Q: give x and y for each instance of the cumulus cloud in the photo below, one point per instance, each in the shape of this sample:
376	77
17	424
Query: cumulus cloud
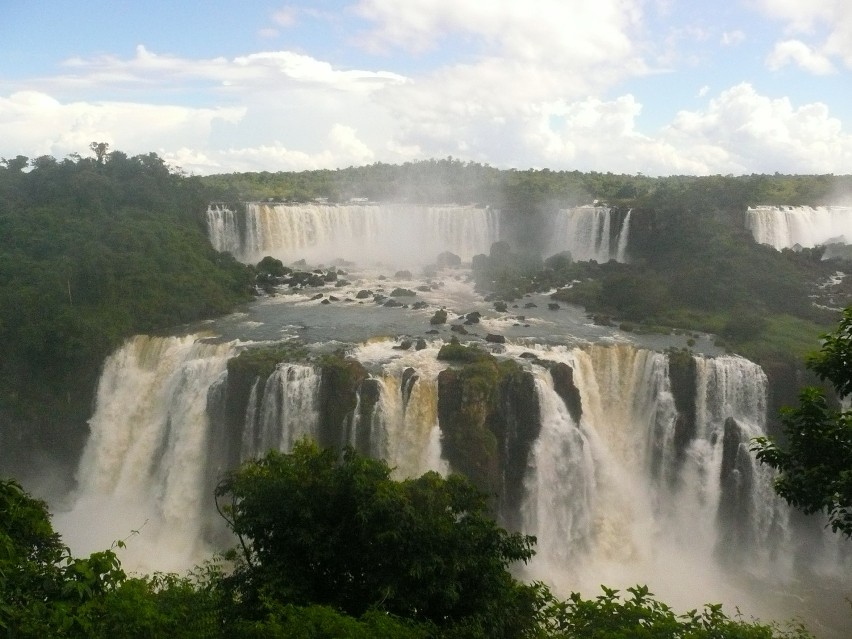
341	147
515	57
742	131
800	54
35	122
825	25
538	48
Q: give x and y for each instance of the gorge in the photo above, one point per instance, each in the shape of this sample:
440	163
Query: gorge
625	454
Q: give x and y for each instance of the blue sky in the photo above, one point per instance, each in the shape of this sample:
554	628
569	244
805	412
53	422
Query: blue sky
659	87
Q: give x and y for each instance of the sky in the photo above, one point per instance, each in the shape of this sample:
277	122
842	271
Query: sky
659	87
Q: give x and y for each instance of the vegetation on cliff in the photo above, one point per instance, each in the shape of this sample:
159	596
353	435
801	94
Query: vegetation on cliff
90	253
814	458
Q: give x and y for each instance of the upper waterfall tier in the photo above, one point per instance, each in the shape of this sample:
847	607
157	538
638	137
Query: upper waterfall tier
391	233
597	233
787	226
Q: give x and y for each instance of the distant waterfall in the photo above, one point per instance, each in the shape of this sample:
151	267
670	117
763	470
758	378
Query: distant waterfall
788	226
591	233
595	494
399	234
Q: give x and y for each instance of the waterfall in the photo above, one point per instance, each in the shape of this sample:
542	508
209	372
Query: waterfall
623	237
404	425
144	466
596	497
789	226
591	233
286	411
399	234
223	229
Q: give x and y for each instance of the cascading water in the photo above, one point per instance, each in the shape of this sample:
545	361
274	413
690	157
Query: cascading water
285	412
392	233
787	226
598	494
403	426
591	233
144	466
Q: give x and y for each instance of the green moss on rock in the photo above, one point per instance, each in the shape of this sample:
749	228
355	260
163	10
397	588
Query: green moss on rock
488	414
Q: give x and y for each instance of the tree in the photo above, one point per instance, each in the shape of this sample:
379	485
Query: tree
100	149
318	527
614	616
44	592
815	462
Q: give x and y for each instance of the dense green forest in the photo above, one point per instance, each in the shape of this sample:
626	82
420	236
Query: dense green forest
92	251
450	180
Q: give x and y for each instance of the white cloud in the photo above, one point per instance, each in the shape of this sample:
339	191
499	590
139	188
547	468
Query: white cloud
561	33
36	124
342	147
825	24
268	70
518	57
742	131
800	54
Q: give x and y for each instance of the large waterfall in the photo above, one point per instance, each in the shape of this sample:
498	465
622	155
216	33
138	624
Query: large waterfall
805	226
144	467
597	233
619	497
610	495
390	233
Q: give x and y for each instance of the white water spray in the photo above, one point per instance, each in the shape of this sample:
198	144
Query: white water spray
587	233
805	226
397	234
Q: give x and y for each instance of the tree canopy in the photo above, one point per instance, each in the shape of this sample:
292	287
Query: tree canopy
91	252
318	527
815	459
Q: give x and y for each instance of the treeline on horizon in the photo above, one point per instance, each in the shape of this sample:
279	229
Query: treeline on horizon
93	250
454	181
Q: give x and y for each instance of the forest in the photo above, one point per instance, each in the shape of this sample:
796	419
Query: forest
96	249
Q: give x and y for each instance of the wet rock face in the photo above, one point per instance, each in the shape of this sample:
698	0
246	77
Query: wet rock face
736	478
489	417
683	377
341	379
563	384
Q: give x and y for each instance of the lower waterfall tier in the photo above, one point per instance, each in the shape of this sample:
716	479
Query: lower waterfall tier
597	465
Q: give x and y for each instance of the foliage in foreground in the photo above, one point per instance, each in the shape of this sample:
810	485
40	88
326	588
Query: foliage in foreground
318	528
815	461
348	553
